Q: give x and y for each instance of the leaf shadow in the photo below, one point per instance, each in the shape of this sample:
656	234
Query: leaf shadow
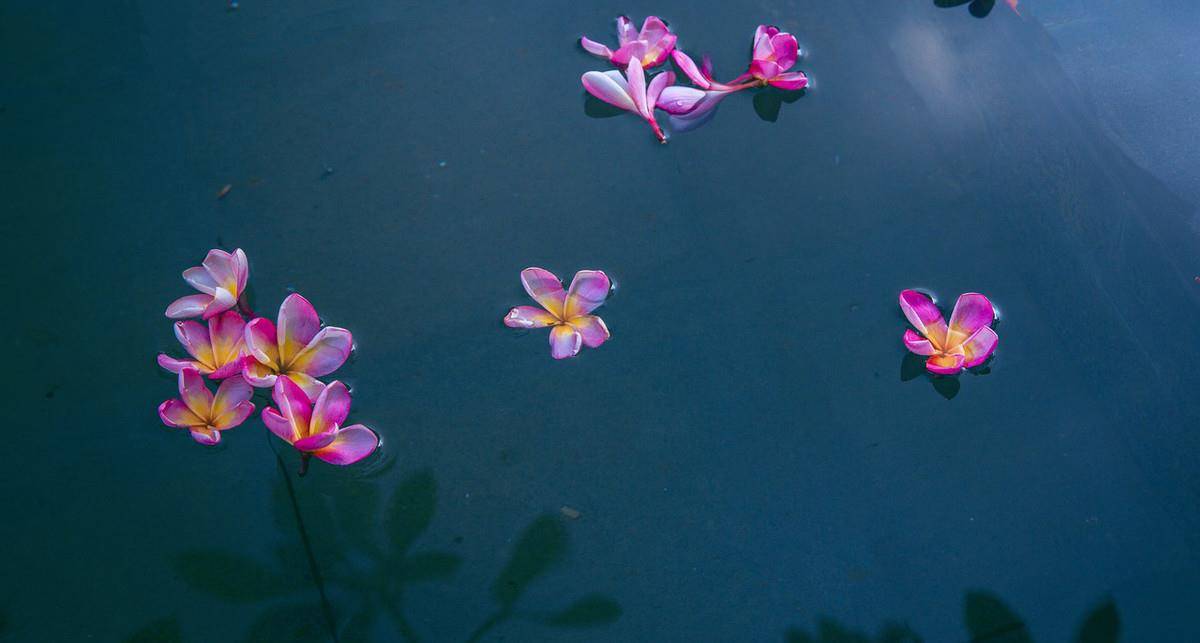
770	100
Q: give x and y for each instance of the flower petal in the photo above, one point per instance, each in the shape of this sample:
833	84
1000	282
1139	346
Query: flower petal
592	329
917	344
764	69
189	306
972	311
259	375
230	394
352	444
325	353
261	342
206	436
545	288
234	417
786	50
331	408
529	317
316	440
700	114
944	364
634	50
657	85
241	268
924	315
175	413
194	393
198	278
762	41
602	86
222	301
636	77
298	325
689	68
195	340
232	368
588	290
679	100
625	30
279	425
311	386
595	48
293	405
791	81
223	269
564	342
227	334
175	365
979	347
653	29
658	53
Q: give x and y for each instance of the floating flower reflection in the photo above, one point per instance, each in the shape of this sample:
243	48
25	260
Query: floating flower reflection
650	46
221	279
297	348
203	414
630	92
567	312
217	350
316	428
966	342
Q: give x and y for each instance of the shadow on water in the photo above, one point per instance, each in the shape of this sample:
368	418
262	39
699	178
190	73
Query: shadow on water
986	618
913	366
595	108
769	100
977	8
368	570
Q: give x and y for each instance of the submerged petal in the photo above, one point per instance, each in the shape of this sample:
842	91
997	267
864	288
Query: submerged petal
175	413
591	329
298	325
917	344
352	444
564	342
944	364
588	290
331	408
924	315
325	353
979	347
595	48
529	317
972	311
545	288
189	306
194	393
677	100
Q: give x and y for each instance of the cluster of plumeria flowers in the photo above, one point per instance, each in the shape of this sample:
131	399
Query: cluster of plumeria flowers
773	55
286	356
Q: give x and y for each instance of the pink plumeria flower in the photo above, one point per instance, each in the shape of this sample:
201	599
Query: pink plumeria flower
221	279
650	47
316	428
566	311
203	414
297	348
630	92
966	342
217	350
774	54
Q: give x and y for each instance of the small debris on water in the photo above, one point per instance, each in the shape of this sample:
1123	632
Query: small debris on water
441	164
224	191
570	512
327	171
233	5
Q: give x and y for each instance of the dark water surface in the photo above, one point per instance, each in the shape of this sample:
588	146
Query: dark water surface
749	455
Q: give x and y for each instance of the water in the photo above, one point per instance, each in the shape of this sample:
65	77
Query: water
750	456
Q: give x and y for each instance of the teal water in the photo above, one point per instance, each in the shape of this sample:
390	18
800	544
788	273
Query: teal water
750	456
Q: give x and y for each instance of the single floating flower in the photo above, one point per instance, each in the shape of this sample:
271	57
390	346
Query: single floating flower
630	92
650	47
567	311
966	342
298	348
221	279
217	351
316	428
774	54
203	414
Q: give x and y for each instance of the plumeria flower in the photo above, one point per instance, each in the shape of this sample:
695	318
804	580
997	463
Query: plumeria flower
221	279
217	351
967	342
630	92
298	348
774	54
203	414
650	47
316	428
567	311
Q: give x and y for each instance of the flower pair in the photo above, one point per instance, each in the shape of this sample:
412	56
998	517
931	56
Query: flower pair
774	54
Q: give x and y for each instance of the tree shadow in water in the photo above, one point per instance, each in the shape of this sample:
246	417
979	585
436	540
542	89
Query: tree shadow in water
986	618
368	570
